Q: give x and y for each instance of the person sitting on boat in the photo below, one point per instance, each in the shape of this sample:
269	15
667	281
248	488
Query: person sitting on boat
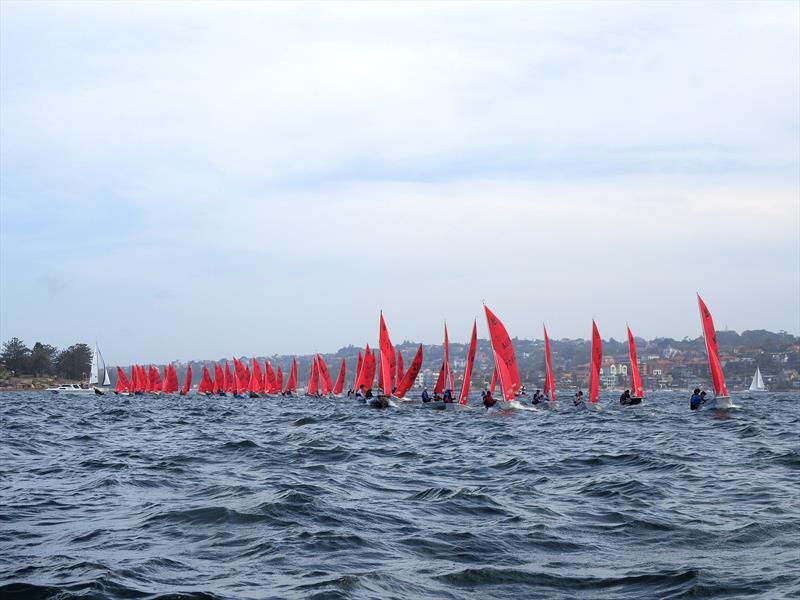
522	391
360	392
578	401
695	401
437	397
537	397
426	397
488	401
448	396
368	395
703	397
350	393
625	398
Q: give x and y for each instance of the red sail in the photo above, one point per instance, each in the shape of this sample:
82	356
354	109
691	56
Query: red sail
270	383
291	384
399	375
256	383
155	380
411	375
473	346
388	358
597	360
636	380
187	383
367	373
219	379
229	383
325	380
549	382
206	385
241	371
448	370
504	357
359	364
239	385
279	380
170	380
439	387
313	379
712	349
122	382
339	385
494	382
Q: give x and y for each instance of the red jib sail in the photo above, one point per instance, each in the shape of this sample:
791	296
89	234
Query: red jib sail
359	364
187	383
439	387
549	382
712	349
410	376
463	398
155	380
636	380
448	371
325	380
504	356
367	375
256	383
400	372
387	358
597	360
206	385
123	385
339	385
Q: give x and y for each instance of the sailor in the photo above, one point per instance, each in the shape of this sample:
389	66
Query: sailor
703	397
537	397
360	392
426	397
488	401
368	395
696	400
578	401
350	393
625	398
448	396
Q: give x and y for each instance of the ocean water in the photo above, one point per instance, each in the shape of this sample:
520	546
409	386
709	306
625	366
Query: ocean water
108	497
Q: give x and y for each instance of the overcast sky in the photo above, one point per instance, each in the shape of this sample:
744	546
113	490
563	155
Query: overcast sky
195	180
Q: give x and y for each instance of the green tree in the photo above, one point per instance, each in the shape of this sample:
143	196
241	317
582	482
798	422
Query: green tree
43	358
16	355
74	362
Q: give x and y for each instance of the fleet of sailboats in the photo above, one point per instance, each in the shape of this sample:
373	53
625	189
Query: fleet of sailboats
248	378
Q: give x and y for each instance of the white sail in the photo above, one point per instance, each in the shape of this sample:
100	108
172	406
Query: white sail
93	372
758	383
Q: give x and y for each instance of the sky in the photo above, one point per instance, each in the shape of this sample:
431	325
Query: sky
197	180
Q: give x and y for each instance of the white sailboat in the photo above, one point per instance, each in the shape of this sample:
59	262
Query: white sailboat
757	384
97	374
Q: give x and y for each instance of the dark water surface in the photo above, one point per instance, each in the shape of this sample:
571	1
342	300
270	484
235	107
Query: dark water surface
112	497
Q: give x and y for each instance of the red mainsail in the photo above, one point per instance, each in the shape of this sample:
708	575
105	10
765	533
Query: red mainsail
313	379
187	383
206	385
170	380
473	346
339	385
439	387
387	358
411	375
279	380
229	383
636	380
123	385
597	360
256	379
712	349
448	371
325	380
270	384
549	382
219	379
504	357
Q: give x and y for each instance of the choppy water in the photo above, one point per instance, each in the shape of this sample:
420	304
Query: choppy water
112	497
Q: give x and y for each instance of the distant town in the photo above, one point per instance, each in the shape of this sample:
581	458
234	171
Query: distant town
665	363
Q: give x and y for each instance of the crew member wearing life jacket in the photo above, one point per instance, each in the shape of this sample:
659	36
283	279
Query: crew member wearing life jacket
426	397
625	398
448	396
695	401
488	401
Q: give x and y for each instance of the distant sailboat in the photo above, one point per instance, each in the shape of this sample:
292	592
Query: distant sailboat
757	384
98	372
712	349
636	380
505	362
597	359
463	397
410	375
549	380
339	385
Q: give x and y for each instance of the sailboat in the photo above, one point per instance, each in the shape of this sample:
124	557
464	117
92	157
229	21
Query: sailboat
757	384
722	400
549	380
637	389
388	366
597	360
339	385
410	376
505	362
463	397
